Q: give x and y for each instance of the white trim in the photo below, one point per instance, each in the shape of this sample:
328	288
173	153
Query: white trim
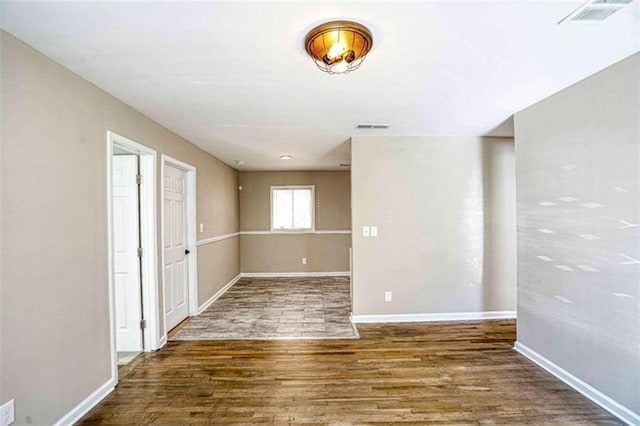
148	229
190	172
450	316
149	241
216	239
313	208
177	163
219	293
191	240
293	232
294	274
163	341
110	263
235	234
332	232
87	404
606	402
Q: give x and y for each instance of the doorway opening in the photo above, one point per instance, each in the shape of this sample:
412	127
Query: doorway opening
132	212
179	255
127	260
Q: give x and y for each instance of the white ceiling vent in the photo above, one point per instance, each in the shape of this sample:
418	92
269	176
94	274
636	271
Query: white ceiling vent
373	126
596	10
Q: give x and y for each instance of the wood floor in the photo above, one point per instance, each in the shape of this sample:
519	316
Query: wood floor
430	373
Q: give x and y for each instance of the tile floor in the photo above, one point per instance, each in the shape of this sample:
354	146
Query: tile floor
277	308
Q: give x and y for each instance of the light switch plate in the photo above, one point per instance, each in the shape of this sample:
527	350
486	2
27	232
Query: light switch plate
202	227
374	231
304	260
387	296
365	231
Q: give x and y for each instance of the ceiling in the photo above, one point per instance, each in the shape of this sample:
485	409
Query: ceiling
233	77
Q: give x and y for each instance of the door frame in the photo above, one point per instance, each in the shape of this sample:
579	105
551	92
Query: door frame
192	265
148	232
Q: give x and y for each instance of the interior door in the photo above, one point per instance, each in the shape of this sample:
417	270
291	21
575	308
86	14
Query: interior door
125	254
175	246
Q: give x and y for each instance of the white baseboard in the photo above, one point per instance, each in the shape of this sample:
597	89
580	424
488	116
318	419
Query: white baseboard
89	402
615	408
219	293
294	274
162	341
454	316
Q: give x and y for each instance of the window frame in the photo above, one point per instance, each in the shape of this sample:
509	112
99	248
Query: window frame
313	209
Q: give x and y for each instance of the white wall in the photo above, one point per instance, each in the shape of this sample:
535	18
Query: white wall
445	212
579	285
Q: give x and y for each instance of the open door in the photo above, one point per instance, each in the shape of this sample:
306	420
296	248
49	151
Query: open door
126	241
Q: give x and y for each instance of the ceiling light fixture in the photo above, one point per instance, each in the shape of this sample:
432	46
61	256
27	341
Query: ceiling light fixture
338	47
372	126
286	157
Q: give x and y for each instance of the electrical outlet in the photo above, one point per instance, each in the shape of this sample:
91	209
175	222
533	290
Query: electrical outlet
7	414
387	296
366	231
304	260
374	231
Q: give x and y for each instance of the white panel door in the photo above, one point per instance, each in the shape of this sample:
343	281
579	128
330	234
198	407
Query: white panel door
175	245
125	254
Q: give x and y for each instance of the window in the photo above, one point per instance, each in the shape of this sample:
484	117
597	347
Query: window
292	208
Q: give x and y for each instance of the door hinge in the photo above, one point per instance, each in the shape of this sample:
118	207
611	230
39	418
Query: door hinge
143	323
140	251
139	179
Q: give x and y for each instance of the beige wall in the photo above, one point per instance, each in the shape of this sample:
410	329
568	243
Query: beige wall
55	327
579	305
218	211
218	263
284	253
333	198
445	212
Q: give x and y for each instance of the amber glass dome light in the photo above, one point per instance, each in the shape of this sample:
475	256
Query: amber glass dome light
338	47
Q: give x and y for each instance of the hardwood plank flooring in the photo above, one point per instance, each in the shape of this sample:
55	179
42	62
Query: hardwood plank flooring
429	373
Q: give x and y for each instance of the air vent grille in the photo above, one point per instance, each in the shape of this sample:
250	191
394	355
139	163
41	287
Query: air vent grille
373	126
596	10
612	2
594	14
